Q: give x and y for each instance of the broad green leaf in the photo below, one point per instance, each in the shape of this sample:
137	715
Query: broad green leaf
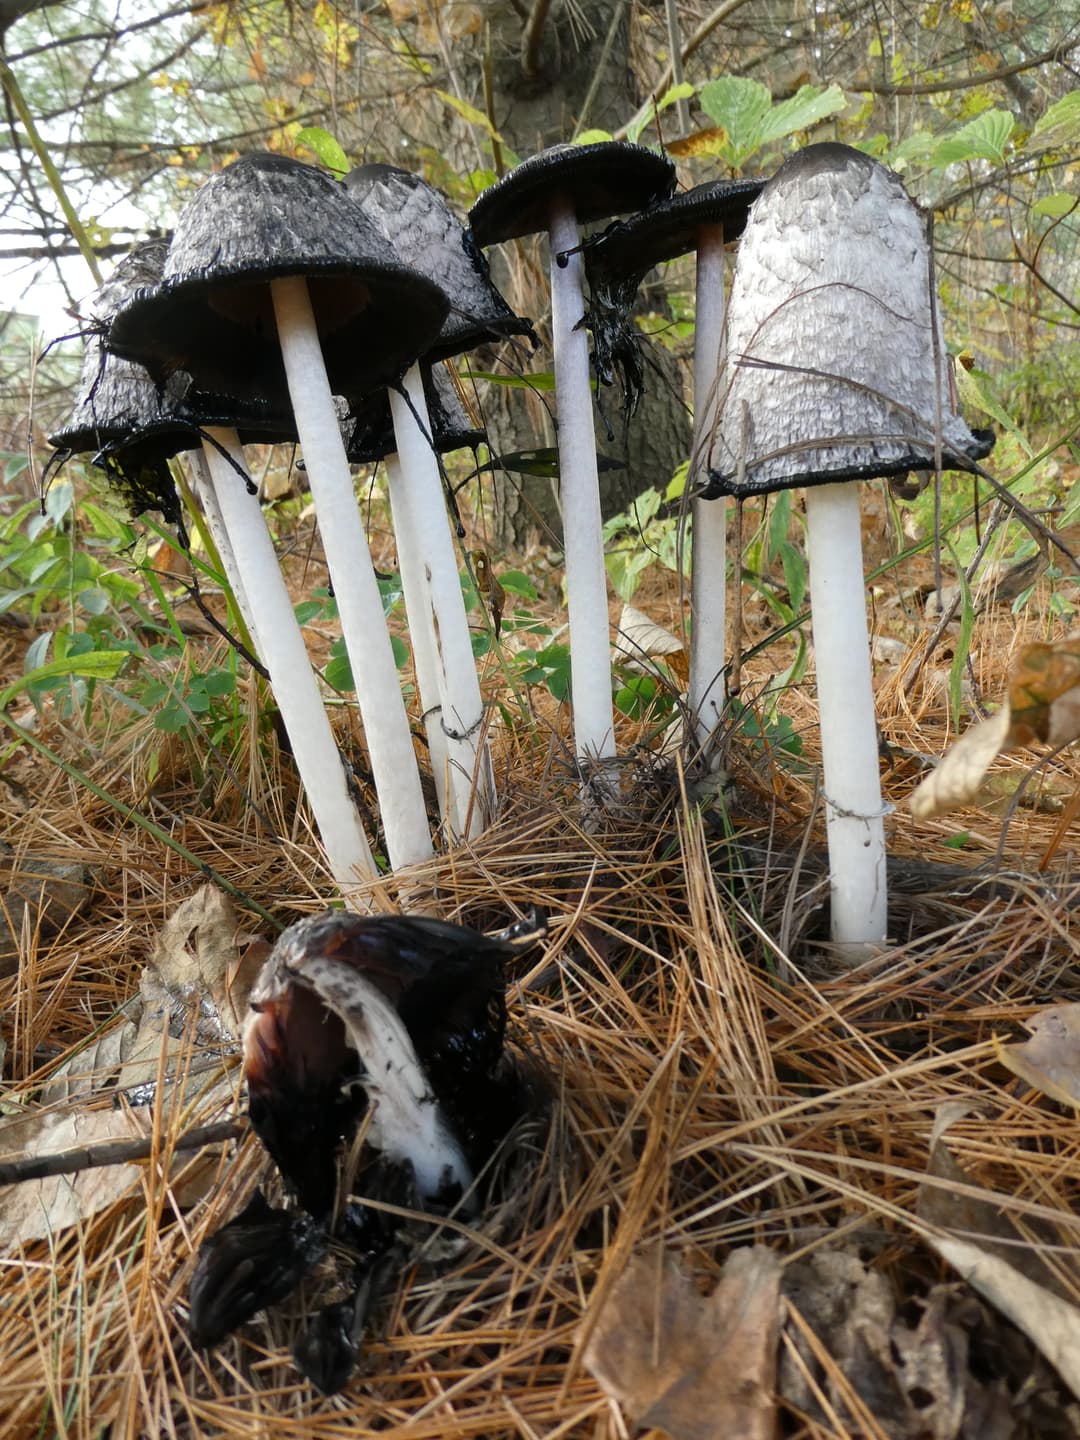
323	145
470	113
1060	125
983	138
805	108
515	582
99	665
919	145
739	106
1056	206
592	137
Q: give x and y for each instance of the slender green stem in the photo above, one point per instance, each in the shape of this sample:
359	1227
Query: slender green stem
75	225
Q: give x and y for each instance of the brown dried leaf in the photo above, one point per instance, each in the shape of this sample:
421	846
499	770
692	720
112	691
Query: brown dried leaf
697	1367
34	1209
1044	693
1050	1323
1050	1060
702	142
958	778
42	894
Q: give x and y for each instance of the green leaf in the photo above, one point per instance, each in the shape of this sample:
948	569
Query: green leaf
307	610
327	150
516	582
739	106
809	105
592	137
400	649
470	113
677	484
539	380
99	665
983	138
1060	125
1056	206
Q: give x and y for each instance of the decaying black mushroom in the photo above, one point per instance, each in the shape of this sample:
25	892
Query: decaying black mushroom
402	1014
256	1260
556	191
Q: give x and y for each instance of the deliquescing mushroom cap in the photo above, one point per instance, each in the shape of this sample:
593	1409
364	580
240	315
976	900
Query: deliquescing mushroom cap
133	426
425	233
630	248
608	178
834	365
369	429
263	218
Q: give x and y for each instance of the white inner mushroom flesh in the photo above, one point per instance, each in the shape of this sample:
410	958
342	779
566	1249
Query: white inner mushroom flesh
363	624
586	579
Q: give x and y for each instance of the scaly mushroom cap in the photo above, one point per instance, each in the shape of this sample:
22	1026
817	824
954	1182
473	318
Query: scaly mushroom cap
263	218
409	1010
425	233
835	362
369	430
601	180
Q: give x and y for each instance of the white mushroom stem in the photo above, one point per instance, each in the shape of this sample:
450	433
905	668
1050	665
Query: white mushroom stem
206	494
579	490
282	650
708	584
850	776
421	637
437	604
363	625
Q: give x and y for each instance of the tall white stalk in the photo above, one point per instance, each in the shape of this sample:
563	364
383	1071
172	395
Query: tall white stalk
431	573
586	580
850	774
206	493
282	650
708	584
363	625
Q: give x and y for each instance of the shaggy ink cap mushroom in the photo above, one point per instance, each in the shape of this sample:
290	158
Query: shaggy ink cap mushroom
265	218
609	178
369	427
703	219
835	369
409	1009
834	342
556	191
425	233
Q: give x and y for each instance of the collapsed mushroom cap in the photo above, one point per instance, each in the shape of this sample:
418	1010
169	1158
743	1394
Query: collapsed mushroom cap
630	248
425	233
369	430
601	180
263	218
132	425
835	361
255	1260
406	1011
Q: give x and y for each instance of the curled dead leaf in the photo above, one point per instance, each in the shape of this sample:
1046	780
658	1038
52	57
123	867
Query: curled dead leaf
1050	1060
957	780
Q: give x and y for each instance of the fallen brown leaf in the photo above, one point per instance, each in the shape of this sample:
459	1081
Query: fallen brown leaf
697	1367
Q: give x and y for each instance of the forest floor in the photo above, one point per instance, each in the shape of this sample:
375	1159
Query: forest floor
769	1193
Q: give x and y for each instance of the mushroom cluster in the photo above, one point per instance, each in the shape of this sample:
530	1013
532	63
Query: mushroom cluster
390	1028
